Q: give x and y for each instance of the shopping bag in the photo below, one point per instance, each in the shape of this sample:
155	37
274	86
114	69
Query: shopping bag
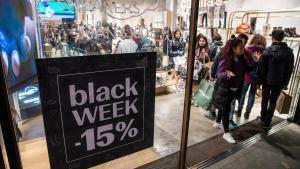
180	63
203	95
179	60
197	69
283	103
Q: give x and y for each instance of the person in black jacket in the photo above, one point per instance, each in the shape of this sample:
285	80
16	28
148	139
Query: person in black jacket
230	75
215	47
214	69
275	70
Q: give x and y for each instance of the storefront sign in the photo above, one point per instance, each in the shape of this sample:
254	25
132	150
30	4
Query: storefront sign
125	9
28	97
97	108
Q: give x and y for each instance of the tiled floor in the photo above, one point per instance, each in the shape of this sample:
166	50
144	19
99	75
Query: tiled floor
278	151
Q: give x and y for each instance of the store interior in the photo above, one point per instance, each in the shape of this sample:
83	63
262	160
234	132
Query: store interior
97	27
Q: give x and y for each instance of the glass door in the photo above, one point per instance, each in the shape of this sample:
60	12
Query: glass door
96	28
3	154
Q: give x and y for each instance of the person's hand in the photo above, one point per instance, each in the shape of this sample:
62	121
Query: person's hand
229	74
256	56
206	55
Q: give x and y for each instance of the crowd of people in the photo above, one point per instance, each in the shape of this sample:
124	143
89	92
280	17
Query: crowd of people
239	67
104	39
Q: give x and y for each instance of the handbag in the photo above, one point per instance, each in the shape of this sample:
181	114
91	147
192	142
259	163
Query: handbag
197	69
203	95
165	61
180	63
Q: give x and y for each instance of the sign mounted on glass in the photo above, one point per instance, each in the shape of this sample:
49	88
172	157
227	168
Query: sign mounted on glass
126	9
97	108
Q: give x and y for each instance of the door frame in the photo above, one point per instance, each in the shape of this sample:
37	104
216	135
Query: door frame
6	118
7	125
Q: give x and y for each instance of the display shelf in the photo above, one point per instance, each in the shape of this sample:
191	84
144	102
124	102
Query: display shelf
214	28
287	38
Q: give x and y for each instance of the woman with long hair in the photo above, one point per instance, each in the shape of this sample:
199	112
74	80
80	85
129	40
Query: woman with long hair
202	49
176	49
256	46
230	76
201	57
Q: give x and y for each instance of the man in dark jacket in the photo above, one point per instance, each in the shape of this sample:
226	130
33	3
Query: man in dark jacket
215	47
275	70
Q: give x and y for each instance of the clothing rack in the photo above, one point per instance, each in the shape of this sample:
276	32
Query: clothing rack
244	16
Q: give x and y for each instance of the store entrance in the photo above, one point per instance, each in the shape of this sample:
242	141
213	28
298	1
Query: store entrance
105	28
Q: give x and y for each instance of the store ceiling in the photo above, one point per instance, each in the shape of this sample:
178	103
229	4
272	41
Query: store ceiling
88	5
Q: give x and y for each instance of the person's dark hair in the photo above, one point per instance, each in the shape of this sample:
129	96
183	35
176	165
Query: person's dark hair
258	40
176	32
127	30
278	35
228	50
217	37
201	36
244	37
170	34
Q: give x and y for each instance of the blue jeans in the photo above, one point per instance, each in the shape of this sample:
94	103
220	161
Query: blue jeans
251	97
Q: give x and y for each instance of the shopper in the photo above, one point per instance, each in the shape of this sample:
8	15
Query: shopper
202	49
214	69
201	58
215	47
127	45
216	50
83	39
202	55
167	37
275	70
232	124
256	46
51	37
177	51
230	75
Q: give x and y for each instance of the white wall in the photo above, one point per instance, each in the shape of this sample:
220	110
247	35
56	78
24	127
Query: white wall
234	5
270	4
292	19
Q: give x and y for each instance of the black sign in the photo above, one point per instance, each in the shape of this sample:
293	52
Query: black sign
97	108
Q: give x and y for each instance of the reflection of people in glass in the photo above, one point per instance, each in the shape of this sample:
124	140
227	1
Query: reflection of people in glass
16	118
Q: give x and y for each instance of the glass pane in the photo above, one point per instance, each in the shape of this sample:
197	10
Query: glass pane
98	27
19	49
3	152
217	22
